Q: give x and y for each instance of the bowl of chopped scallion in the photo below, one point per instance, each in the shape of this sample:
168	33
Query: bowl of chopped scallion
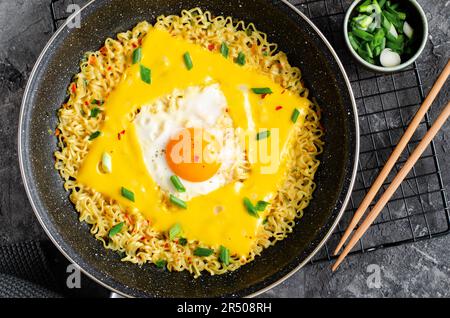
385	35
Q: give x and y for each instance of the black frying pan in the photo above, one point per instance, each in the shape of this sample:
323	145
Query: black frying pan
45	92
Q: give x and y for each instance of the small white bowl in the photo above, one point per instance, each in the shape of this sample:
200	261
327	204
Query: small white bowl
413	5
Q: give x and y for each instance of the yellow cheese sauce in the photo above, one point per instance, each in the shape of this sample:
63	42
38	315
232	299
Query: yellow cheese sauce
232	227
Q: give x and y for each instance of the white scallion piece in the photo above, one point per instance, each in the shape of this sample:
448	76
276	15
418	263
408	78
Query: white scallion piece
106	162
393	31
408	30
388	58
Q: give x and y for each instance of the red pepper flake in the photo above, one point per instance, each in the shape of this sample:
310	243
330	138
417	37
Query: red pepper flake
211	47
92	60
120	134
57	132
140	41
263	96
109	68
278	107
73	87
86	103
104	50
128	219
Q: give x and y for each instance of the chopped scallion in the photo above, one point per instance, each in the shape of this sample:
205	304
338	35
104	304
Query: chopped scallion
94	135
182	241
188	61
240	59
115	229
263	135
174	231
224	255
261	205
201	251
177	183
94	112
161	263
295	115
250	208
146	74
127	194
178	202
106	162
224	50
137	55
262	90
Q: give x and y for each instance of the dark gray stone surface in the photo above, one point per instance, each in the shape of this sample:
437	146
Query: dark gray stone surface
413	270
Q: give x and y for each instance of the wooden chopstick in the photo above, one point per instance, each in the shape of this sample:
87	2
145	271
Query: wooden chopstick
395	155
395	184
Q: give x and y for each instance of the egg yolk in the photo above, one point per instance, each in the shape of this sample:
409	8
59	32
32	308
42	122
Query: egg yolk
192	154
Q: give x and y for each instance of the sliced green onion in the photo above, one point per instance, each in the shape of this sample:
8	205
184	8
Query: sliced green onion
137	55
178	202
224	255
97	102
263	135
377	50
240	59
174	231
365	55
261	205
385	24
368	50
396	47
94	112
378	37
94	135
295	115
188	61
381	3
408	30
224	50
397	14
262	90
146	74
161	263
182	241
201	251
388	58
115	229
393	19
353	41
177	183
106	162
250	208
265	221
127	194
362	34
392	5
363	21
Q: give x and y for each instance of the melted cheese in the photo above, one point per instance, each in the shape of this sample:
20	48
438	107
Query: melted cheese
233	226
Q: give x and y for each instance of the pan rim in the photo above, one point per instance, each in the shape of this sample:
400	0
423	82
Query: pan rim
260	291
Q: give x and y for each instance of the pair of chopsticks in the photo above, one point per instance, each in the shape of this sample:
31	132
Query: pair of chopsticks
388	167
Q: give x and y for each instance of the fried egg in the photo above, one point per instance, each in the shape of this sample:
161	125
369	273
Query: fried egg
183	117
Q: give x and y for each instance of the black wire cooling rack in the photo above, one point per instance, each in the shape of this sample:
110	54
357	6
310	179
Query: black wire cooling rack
419	210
